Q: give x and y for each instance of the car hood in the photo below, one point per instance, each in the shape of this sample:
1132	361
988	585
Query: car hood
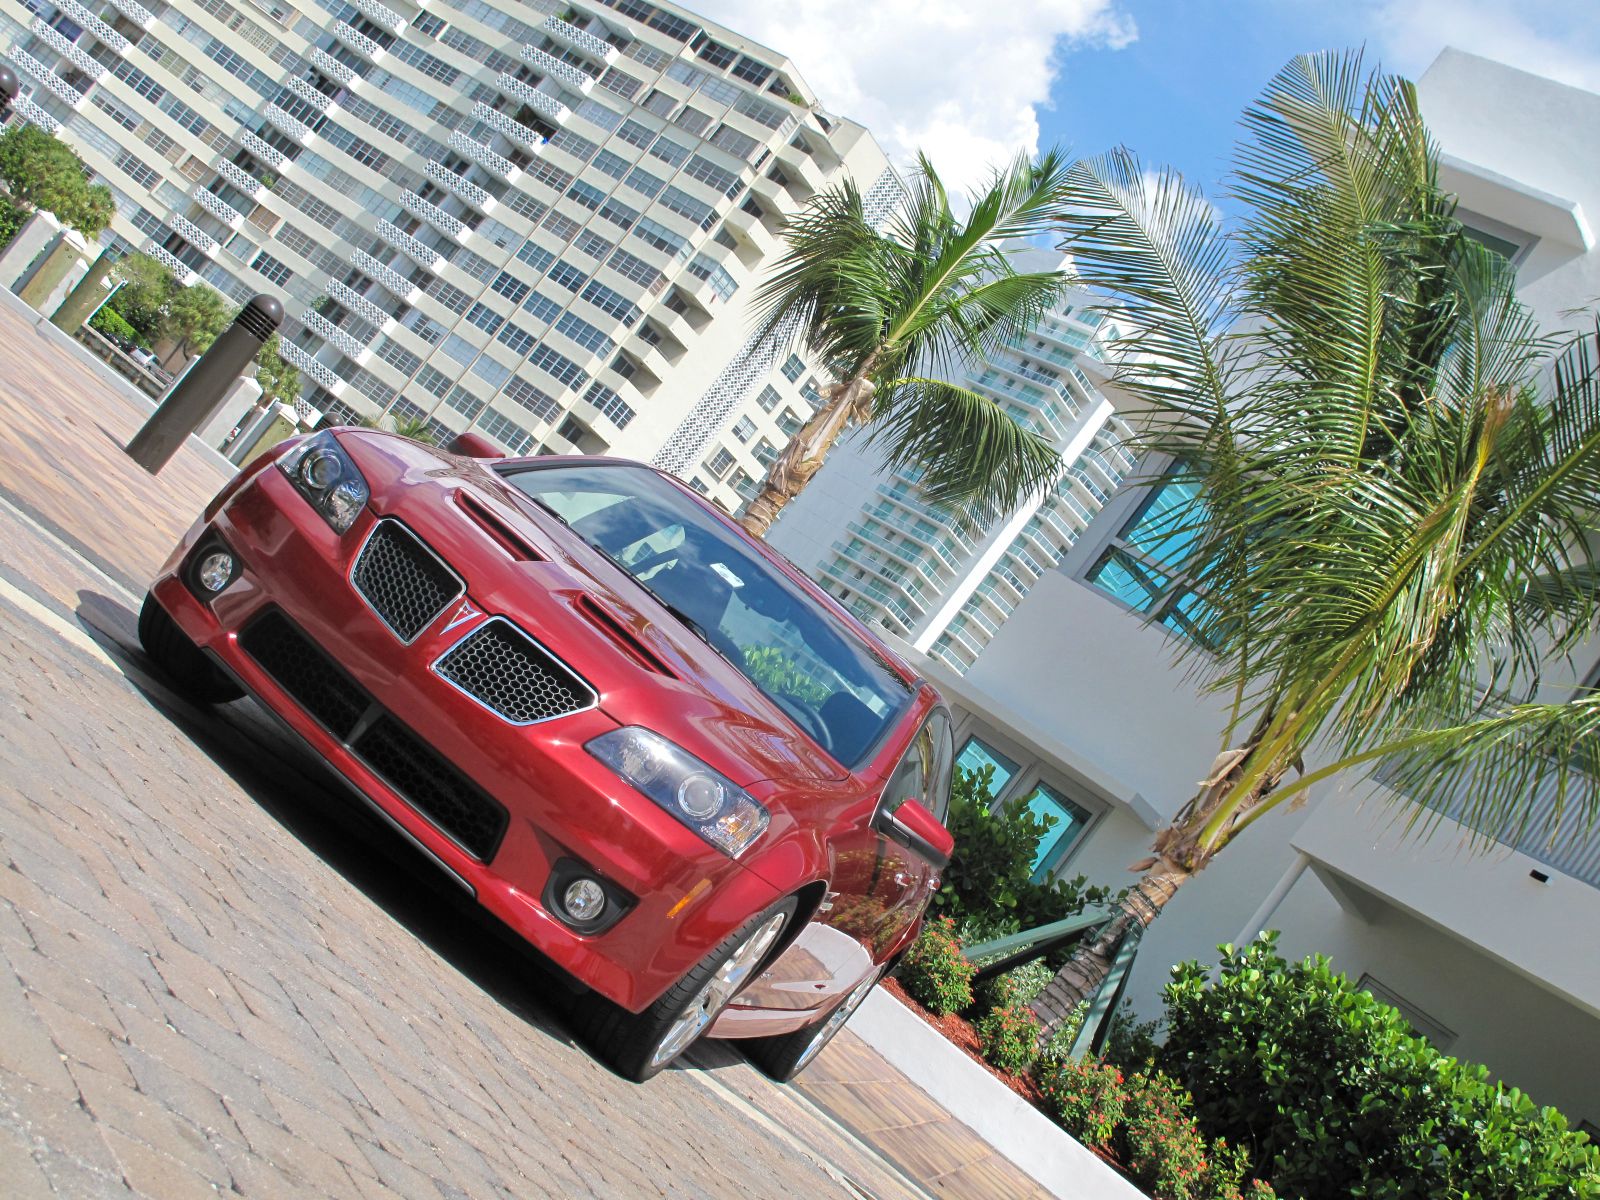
648	668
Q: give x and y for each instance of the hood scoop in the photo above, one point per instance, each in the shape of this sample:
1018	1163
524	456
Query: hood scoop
499	531
625	639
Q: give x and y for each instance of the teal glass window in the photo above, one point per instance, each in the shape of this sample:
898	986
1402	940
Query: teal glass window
976	755
1143	567
1070	821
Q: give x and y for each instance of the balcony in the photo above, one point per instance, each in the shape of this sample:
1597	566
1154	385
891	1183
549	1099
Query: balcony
470	192
803	172
330	66
34	115
380	14
304	362
359	304
495	164
325	329
548	64
359	42
216	206
546	105
171	262
84	19
303	89
577	39
434	215
386	277
285	124
239	177
424	256
47	78
63	46
752	231
516	131
268	154
194	235
774	197
137	13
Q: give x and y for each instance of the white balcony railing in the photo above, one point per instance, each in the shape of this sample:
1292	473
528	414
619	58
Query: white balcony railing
546	106
84	19
359	304
172	262
548	64
193	234
331	67
423	256
486	158
432	214
286	124
386	277
51	82
380	14
239	177
63	46
470	192
357	41
515	130
303	89
321	372
267	154
34	115
217	206
137	13
585	43
348	345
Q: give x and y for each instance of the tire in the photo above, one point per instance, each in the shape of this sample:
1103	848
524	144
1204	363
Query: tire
181	663
783	1057
637	1046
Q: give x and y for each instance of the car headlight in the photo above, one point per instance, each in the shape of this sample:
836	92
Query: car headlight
325	475
709	803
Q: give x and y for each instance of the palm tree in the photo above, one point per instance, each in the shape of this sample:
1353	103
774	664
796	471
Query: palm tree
1396	475
893	312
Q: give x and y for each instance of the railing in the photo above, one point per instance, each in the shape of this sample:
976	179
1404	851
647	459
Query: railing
386	276
359	304
432	214
570	35
216	206
84	19
486	158
267	154
52	82
342	341
284	123
193	234
331	67
239	177
468	191
322	373
423	256
357	41
308	93
545	105
549	64
380	14
34	115
515	130
180	270
62	45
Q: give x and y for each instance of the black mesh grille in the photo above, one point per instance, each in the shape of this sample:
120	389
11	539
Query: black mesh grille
302	670
435	788
405	584
507	671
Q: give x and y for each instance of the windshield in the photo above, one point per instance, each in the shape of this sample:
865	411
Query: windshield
814	668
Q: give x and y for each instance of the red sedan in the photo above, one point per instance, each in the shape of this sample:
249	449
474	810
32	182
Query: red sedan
637	736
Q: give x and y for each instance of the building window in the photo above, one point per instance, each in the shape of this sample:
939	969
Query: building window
768	398
745	429
1143	567
274	270
789	422
719	462
793	368
977	755
1069	822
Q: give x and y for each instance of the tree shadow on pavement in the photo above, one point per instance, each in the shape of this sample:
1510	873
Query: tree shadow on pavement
299	791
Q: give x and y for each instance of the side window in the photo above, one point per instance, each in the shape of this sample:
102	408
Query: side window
924	773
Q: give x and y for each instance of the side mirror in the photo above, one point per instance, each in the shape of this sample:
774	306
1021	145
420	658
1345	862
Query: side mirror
474	445
919	831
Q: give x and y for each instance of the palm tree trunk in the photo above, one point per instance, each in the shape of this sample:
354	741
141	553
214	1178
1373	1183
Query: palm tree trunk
802	458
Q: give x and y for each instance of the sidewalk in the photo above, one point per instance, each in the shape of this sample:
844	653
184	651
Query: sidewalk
216	988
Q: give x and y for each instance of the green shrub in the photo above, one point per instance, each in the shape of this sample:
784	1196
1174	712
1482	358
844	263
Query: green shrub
109	322
1086	1095
1008	1037
1333	1096
1131	1043
933	971
12	218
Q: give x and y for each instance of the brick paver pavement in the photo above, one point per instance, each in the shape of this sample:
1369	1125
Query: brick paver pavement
217	976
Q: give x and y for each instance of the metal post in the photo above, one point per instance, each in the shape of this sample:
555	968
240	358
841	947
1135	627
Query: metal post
196	396
9	87
1258	919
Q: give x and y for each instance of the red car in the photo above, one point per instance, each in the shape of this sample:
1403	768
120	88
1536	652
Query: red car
638	737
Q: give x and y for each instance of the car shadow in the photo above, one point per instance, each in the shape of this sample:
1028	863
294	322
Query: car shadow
300	792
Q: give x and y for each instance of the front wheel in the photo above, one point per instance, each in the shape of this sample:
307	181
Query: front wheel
783	1057
192	675
638	1045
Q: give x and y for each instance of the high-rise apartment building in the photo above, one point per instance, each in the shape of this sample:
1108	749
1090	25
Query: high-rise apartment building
543	220
946	585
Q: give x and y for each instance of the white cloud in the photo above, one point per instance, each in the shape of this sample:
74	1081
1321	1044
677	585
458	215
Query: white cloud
1557	38
962	81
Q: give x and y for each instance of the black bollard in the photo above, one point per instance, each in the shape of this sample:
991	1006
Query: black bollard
9	87
196	396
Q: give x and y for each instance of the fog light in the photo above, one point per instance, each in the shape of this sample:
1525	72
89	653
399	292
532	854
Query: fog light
215	570
584	900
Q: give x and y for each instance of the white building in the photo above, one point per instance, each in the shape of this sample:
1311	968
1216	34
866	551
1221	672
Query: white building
476	211
1495	955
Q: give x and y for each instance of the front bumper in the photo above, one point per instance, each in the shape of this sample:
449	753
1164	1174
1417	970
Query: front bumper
560	803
